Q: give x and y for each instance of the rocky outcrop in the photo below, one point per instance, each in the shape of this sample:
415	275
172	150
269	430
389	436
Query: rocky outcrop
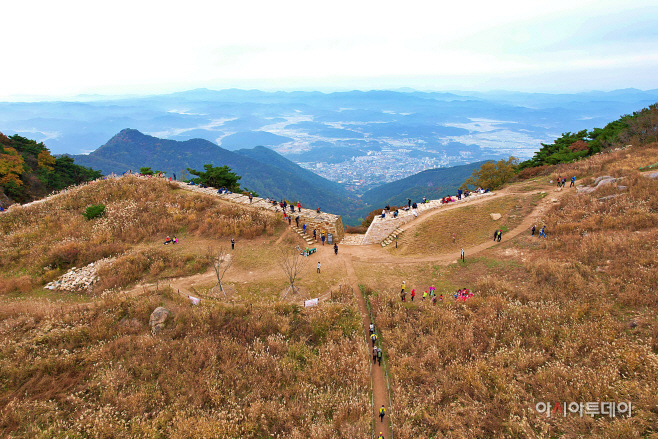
79	279
158	319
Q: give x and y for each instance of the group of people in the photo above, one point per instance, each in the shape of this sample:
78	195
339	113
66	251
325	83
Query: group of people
462	294
428	294
542	232
561	181
376	351
169	240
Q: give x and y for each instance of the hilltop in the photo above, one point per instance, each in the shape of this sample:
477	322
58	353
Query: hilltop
570	317
262	170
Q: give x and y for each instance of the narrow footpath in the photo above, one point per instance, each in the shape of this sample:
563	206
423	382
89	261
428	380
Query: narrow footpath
379	387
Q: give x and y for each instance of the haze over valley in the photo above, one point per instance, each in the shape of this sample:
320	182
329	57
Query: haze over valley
357	139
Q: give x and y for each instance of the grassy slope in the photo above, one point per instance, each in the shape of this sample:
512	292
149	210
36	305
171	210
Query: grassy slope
549	321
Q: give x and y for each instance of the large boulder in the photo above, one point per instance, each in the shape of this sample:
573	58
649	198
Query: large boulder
158	318
495	216
603	177
651	175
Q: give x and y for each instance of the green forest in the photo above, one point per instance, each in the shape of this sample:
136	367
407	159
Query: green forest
28	171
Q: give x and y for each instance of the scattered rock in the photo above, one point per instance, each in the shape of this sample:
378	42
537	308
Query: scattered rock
609	197
651	175
622	188
603	177
495	216
158	318
553	200
606	182
79	279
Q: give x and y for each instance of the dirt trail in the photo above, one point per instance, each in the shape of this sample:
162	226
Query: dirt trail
379	388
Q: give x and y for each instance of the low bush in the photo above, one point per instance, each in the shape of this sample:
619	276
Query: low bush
94	211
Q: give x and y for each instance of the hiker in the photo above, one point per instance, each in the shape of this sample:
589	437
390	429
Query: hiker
500	234
251	198
432	289
379	356
297	221
323	238
318	266
289	221
373	337
559	180
318	210
403	286
175	240
573	181
315	235
543	232
381	435
168	240
371	328
374	355
395	214
441	297
409	203
232	243
304	228
434	300
424	295
336	249
383	213
533	230
413	294
299	206
495	234
459	194
382	413
174	175
403	296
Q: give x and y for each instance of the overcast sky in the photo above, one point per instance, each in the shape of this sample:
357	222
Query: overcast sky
64	48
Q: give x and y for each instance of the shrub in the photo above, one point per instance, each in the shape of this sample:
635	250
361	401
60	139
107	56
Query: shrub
94	211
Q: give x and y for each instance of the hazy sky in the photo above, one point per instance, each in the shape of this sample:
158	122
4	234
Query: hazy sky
65	48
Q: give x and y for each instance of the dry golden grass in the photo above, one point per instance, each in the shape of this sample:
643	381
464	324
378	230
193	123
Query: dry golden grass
41	241
471	224
215	371
576	321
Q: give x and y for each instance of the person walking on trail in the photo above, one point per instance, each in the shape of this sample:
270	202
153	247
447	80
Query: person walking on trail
409	202
323	238
318	266
382	413
289	221
374	355
379	356
543	232
381	435
336	249
251	198
297	221
533	230
403	286
495	234
299	206
373	337
371	328
315	235
500	234
232	243
573	181
413	294
304	228
424	295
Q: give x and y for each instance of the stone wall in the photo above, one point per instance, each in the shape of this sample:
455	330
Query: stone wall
322	222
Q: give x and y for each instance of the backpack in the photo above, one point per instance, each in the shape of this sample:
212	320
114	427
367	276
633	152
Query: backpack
379	353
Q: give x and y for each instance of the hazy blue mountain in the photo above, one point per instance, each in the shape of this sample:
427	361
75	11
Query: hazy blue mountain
248	139
433	184
262	170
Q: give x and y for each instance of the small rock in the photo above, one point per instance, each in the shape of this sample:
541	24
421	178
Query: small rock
553	200
495	216
622	188
157	320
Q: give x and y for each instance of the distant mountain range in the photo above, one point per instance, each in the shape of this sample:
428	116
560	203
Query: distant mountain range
266	172
262	170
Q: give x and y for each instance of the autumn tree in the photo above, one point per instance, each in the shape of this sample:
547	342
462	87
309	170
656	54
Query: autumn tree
46	161
492	175
11	166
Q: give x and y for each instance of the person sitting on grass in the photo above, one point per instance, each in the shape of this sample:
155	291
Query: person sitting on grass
175	240
168	240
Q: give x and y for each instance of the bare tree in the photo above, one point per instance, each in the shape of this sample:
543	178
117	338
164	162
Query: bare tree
221	261
292	262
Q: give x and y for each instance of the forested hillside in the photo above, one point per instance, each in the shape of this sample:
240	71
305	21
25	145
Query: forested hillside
28	171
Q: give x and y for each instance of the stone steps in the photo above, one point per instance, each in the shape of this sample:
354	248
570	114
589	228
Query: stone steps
392	237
